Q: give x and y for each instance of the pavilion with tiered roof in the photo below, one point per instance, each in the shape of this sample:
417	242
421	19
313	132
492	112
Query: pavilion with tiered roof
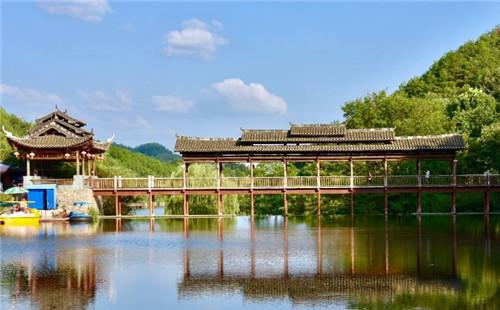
59	137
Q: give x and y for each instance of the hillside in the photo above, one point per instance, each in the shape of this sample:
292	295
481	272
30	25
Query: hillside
155	150
118	161
459	93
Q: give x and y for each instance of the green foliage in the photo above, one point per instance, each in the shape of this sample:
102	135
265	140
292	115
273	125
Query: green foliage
122	162
156	150
15	125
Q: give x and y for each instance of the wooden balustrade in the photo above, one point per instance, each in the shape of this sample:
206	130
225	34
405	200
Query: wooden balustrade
393	181
268	182
335	181
302	182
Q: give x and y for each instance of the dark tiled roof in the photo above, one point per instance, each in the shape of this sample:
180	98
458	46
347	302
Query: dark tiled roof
450	142
284	136
62	127
60	115
49	141
316	130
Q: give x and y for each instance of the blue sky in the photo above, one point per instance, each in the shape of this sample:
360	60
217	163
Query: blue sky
150	70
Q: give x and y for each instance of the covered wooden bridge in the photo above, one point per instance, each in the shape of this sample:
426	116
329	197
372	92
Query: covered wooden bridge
317	143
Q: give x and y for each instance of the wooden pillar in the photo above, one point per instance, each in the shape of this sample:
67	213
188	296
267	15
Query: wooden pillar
186	203
318	173
252	204
77	163
152	224
83	164
386	202
285	202
486	202
118	209
93	168
252	198
89	167
151	204
351	179
285	185
28	166
419	173
352	204
219	203
419	202
318	201
453	201
386	183
454	172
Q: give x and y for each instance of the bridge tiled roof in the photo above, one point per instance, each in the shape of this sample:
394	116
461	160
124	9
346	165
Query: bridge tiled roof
449	142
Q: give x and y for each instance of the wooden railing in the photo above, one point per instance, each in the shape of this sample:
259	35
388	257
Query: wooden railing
294	182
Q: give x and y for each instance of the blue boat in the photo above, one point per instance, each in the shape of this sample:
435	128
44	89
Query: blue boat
79	217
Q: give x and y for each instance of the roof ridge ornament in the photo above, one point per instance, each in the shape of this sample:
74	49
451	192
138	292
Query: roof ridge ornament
7	133
109	140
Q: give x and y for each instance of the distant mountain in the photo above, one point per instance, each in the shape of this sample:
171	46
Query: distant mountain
158	151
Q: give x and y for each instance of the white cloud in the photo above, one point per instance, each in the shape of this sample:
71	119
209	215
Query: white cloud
87	10
99	100
196	38
172	104
29	96
251	97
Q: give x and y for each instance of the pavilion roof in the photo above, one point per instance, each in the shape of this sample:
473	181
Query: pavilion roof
315	130
58	130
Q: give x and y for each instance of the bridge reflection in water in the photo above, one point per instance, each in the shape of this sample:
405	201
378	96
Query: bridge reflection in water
342	267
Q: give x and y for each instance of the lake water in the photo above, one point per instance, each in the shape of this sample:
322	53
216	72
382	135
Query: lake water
437	262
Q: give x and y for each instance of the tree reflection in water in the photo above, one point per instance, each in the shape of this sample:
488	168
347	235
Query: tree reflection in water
368	262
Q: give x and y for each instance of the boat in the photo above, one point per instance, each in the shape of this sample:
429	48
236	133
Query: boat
20	218
79	217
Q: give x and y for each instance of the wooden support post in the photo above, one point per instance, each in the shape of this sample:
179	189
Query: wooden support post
28	167
117	205
251	175
453	201
93	168
252	204
285	174
185	176
419	173
386	183
318	201
386	202
419	202
252	247
151	204
352	204
351	179
185	201
486	202
83	164
77	163
454	172
318	173
285	202
219	203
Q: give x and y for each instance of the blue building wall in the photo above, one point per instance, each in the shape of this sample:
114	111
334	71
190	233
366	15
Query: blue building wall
44	196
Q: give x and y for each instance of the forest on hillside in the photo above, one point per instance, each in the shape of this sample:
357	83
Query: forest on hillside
459	93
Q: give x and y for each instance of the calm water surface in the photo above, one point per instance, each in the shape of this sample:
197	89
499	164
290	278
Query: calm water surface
436	262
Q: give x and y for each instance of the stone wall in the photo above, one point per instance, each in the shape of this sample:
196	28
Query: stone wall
67	195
